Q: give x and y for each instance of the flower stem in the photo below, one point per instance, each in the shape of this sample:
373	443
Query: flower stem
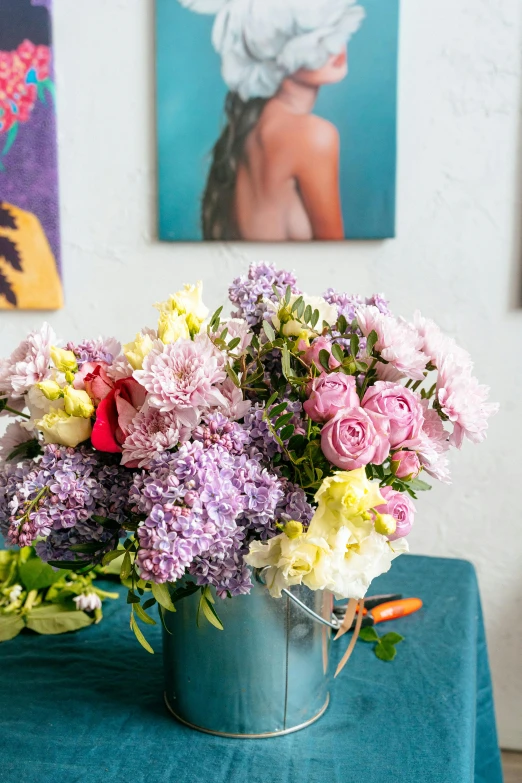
16	413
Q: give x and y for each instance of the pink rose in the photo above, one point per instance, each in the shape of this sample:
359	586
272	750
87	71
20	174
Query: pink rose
401	407
401	508
356	437
330	393
311	354
405	465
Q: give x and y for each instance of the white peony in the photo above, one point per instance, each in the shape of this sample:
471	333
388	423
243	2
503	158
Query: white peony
262	42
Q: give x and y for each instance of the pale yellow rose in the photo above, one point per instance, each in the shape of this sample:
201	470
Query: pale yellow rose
345	498
65	361
77	403
58	427
302	560
136	351
189	303
50	389
172	327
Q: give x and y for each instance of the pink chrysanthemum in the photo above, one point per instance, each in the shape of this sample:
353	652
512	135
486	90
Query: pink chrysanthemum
433	445
28	364
151	433
183	377
438	346
464	401
397	341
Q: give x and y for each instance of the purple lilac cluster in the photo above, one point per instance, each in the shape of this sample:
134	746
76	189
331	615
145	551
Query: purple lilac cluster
99	350
217	430
261	439
347	305
248	292
202	505
58	495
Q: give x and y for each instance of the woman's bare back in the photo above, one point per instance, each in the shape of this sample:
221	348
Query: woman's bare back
268	203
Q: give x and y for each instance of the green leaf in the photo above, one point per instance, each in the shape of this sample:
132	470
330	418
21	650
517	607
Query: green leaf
139	635
298	302
126	566
385	652
71	565
278	409
285	361
162	596
269	331
132	598
324	359
315	318
110	556
307	314
300	309
210	613
338	352
234	343
370	342
184	592
368	634
36	575
342	324
28	449
88	549
56	618
271	400
149	602
419	486
161	612
354	345
10	626
12	133
287	432
392	638
233	376
282	420
142	614
288	294
214	321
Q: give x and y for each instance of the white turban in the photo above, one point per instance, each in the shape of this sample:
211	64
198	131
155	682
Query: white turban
261	42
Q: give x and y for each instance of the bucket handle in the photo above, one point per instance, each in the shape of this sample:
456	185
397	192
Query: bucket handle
334	623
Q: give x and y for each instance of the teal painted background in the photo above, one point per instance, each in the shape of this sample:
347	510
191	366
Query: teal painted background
190	100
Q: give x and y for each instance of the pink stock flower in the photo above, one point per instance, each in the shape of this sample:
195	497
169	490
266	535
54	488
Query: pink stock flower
397	341
28	364
330	393
311	353
355	438
401	508
401	407
234	407
433	445
464	401
149	434
405	465
184	377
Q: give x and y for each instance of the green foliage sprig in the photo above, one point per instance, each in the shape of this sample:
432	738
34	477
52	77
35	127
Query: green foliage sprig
385	646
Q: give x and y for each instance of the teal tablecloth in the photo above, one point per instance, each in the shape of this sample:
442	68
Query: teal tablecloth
88	708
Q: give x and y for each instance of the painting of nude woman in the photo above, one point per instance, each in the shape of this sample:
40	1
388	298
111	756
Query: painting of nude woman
276	119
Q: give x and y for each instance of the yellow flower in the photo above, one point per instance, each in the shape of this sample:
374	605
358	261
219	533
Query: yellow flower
50	389
78	403
293	529
172	327
138	350
58	427
288	562
65	361
189	303
385	524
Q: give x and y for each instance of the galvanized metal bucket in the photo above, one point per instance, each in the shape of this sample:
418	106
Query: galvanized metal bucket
266	674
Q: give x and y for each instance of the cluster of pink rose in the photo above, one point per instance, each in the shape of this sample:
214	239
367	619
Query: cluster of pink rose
20	72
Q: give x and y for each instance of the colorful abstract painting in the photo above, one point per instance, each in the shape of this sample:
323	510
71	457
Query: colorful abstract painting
276	119
29	218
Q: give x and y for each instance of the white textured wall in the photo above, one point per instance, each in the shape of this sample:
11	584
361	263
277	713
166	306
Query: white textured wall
457	256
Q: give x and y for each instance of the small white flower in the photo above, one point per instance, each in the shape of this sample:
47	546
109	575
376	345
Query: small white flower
15	593
87	602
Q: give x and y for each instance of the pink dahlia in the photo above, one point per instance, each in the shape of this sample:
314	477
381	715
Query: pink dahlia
28	364
183	377
464	401
397	341
150	433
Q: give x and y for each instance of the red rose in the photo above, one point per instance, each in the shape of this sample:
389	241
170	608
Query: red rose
115	413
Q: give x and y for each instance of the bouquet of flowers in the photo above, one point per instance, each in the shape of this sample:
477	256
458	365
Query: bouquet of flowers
289	437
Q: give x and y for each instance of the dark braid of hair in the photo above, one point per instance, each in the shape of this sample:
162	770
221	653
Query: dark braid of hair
217	214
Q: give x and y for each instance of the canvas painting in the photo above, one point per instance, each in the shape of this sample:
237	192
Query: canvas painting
29	226
276	119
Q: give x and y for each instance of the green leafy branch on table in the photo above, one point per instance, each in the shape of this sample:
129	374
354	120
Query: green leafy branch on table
384	645
33	595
